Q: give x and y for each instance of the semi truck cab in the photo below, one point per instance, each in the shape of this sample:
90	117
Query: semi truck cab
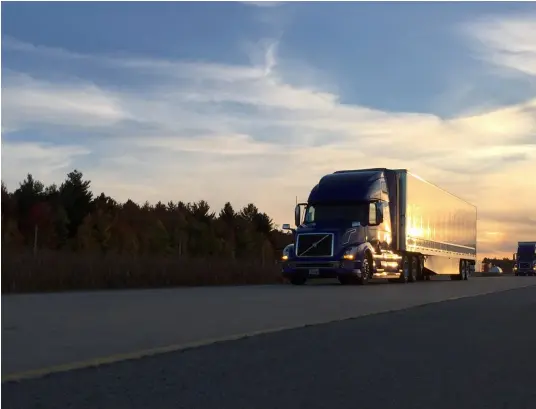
336	240
345	231
525	259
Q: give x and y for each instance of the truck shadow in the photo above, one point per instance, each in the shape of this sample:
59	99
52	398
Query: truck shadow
322	282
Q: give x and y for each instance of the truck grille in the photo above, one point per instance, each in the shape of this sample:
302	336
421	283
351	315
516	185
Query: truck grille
315	245
524	265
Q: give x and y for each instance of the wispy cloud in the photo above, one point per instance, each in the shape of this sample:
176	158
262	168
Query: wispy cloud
221	132
508	41
29	101
47	159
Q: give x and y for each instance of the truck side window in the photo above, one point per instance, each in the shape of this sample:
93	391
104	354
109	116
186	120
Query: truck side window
310	214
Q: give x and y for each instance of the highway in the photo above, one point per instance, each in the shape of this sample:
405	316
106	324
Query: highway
467	352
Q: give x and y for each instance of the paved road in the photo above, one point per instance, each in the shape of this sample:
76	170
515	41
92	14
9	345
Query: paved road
471	353
42	331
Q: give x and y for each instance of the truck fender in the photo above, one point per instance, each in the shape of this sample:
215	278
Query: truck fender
363	248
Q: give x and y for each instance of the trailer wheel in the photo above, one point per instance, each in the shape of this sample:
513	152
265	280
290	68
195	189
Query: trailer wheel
466	267
414	269
461	272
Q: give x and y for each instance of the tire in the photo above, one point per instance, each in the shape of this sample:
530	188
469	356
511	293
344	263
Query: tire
366	268
298	280
406	266
467	269
461	272
421	276
414	269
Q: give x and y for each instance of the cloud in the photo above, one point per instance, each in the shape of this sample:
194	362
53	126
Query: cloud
194	129
508	41
51	162
236	144
36	102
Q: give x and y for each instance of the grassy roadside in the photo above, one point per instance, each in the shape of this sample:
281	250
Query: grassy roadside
58	271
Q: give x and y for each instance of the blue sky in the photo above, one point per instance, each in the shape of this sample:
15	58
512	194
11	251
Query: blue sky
236	101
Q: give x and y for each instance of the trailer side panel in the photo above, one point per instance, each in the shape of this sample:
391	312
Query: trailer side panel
438	223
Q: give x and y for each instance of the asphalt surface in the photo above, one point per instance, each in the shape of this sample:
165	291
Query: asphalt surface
469	353
43	331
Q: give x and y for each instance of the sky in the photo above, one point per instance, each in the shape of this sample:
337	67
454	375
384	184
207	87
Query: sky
254	102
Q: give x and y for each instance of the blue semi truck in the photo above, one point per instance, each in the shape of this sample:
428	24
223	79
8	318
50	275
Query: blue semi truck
363	224
525	259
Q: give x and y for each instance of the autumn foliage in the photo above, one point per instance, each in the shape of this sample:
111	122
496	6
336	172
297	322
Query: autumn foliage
63	238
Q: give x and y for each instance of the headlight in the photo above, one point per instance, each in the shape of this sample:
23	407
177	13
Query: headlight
286	252
349	253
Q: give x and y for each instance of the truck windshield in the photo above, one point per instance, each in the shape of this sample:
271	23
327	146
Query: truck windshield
526	251
355	212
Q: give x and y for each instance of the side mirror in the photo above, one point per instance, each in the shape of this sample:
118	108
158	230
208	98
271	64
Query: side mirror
286	226
379	213
375	214
297	215
372	214
514	256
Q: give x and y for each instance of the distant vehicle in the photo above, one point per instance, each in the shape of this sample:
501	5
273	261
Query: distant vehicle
495	270
525	259
380	223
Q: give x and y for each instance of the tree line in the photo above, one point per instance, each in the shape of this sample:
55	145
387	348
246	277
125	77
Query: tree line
70	218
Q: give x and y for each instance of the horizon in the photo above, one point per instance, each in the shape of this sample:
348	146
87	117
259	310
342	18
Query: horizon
262	96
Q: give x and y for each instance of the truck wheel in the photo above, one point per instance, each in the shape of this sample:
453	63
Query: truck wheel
406	266
298	280
421	276
414	269
366	267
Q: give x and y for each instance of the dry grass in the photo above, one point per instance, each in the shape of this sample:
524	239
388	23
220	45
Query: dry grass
63	271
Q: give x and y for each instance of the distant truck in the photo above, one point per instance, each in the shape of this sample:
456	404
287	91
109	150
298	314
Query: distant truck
525	259
380	223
